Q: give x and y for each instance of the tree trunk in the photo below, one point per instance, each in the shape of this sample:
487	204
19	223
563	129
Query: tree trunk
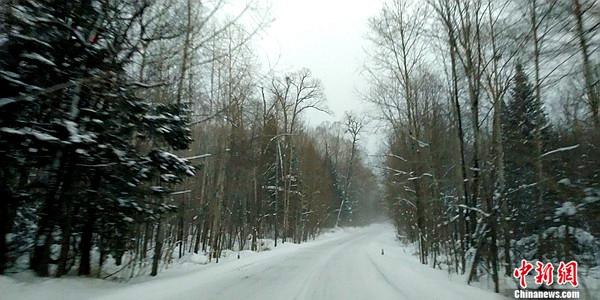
65	243
7	216
181	230
40	258
588	75
157	248
186	46
463	164
85	245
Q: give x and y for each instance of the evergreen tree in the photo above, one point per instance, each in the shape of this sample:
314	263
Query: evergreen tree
72	125
523	120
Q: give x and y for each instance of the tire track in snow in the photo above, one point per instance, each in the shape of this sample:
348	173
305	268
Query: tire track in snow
386	278
311	279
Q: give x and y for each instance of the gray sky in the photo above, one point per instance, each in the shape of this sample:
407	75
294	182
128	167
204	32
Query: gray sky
327	37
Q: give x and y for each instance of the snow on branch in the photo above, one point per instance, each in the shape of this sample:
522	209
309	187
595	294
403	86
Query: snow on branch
181	192
397	156
207	155
569	148
474	209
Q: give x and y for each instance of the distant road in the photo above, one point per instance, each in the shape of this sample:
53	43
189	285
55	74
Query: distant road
344	266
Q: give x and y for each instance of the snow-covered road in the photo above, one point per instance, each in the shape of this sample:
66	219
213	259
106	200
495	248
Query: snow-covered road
343	266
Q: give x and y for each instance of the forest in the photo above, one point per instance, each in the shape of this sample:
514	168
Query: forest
145	130
141	132
493	146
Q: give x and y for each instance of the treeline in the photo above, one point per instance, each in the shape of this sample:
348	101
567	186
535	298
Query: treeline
144	130
493	147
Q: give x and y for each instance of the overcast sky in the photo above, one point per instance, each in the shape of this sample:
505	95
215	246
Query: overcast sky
327	37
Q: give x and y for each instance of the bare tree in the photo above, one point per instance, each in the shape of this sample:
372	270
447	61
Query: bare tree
294	94
354	126
579	11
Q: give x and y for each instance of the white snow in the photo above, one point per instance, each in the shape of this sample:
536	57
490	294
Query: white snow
199	259
592	195
73	131
38	135
560	150
198	156
567	209
43	136
75	136
583	237
4	101
38	57
342	264
12	77
565	181
12	131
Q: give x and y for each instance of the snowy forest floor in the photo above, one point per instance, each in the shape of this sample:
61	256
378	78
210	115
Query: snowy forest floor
341	264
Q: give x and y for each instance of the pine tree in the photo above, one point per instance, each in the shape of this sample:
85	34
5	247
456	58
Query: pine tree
523	120
71	128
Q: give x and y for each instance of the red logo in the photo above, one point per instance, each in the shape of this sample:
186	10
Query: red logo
522	272
566	272
544	273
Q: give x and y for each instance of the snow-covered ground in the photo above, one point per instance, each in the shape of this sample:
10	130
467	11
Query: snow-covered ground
344	264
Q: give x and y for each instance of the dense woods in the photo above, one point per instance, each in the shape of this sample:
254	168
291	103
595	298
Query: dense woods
141	131
492	152
136	134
